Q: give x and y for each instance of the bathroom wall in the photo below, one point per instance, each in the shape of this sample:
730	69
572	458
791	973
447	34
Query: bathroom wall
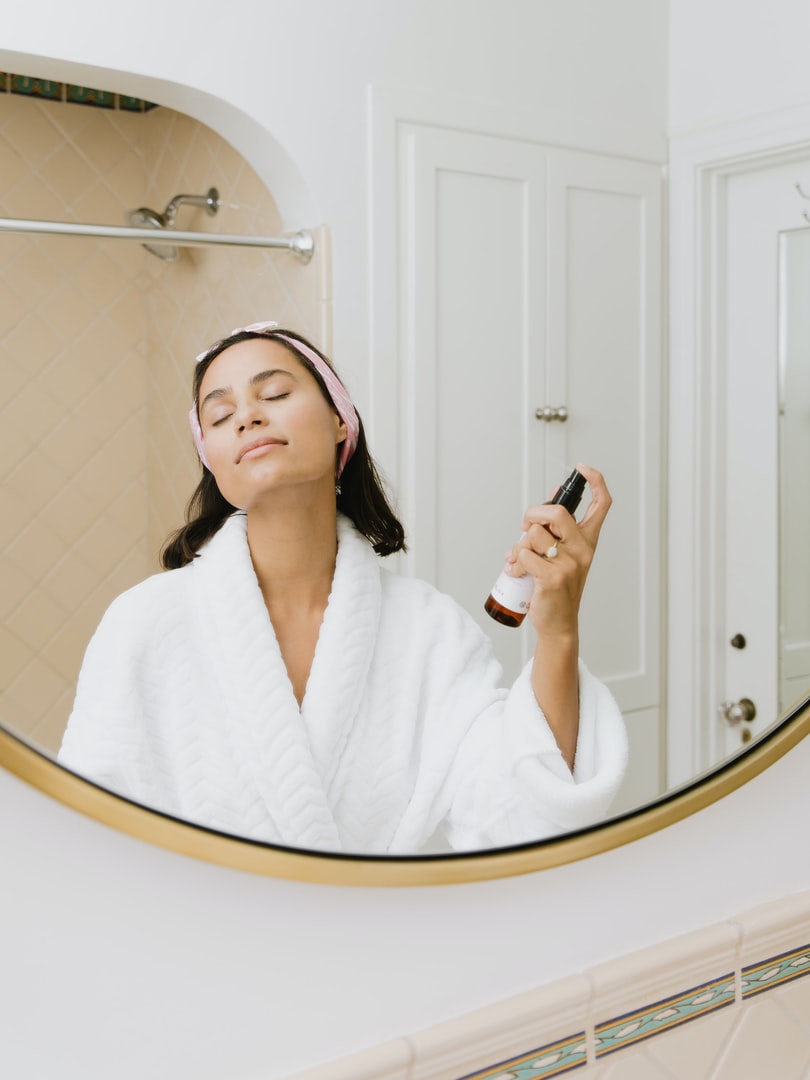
730	61
141	962
97	342
195	300
73	416
727	1002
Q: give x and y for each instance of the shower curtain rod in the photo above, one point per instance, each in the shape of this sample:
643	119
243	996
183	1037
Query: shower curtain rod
301	244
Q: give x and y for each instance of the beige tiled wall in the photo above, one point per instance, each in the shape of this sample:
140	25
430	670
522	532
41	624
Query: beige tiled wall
727	1002
97	341
209	291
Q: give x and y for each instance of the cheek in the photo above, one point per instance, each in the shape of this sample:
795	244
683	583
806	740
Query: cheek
317	421
215	450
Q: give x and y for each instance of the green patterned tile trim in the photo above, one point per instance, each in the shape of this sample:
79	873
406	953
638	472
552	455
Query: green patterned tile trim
663	1015
558	1058
554	1059
85	95
779	969
76	95
133	104
43	88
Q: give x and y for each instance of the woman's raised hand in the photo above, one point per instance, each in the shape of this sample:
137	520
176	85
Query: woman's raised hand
558	551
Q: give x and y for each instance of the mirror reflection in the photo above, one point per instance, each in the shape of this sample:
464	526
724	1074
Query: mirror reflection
277	683
97	340
794	464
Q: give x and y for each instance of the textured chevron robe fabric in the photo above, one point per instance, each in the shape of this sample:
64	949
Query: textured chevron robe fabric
404	736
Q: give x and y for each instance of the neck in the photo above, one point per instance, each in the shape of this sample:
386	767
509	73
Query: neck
293	551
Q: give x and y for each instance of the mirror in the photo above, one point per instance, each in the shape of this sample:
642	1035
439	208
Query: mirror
69	506
38	769
794	463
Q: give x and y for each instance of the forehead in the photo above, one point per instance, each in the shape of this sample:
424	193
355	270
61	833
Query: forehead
238	363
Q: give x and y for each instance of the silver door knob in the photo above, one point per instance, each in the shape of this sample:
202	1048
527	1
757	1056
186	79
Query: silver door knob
735	711
548	412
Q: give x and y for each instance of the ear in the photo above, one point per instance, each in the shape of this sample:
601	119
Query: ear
340	430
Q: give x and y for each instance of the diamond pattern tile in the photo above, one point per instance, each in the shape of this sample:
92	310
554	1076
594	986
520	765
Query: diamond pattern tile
97	342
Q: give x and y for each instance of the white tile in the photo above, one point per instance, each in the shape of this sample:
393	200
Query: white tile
765	1043
693	1048
508	1029
653	974
774	928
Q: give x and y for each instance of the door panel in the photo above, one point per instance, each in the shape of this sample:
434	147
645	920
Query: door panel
605	362
762	211
473	291
529	276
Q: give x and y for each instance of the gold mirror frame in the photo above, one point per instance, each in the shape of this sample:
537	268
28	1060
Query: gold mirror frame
237	853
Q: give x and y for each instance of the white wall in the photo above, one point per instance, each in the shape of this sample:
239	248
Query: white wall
123	960
735	59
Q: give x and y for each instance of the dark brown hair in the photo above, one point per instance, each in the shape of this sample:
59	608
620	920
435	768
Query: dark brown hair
361	498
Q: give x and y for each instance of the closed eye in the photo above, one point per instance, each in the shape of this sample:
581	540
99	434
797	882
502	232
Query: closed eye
270	397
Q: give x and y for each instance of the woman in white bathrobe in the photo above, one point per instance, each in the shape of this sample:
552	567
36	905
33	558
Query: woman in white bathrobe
280	683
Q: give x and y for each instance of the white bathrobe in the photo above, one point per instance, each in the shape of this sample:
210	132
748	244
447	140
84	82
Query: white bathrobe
404	737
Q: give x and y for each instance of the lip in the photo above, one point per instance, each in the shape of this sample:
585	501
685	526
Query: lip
257	444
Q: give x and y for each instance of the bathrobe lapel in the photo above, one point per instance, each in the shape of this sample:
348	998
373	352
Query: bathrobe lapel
337	680
290	757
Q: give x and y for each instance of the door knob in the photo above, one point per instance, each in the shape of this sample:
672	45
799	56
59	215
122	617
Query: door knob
735	711
549	412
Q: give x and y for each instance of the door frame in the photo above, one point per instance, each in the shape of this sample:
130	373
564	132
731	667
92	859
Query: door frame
700	167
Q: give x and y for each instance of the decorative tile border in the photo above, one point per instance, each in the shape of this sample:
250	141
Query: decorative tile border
756	978
84	95
664	1015
67	92
41	88
554	1059
565	1055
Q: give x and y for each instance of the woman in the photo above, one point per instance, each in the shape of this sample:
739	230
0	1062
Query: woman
280	683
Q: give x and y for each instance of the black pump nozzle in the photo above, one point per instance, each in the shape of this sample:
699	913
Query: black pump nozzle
571	492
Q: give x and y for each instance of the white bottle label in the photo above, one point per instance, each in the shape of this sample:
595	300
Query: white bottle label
514	593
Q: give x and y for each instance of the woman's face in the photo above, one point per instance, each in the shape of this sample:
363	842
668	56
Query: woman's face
266	424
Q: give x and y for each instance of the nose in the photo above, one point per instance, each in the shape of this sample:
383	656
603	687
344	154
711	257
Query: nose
248	415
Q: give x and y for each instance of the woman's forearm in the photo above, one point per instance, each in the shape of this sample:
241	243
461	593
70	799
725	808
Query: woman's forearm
555	683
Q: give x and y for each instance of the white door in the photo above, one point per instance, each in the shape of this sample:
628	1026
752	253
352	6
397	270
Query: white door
763	316
472	358
529	276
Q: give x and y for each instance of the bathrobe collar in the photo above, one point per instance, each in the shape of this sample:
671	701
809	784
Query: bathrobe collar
290	756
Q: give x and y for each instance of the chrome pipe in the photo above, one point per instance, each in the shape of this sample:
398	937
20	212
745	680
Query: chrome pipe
301	244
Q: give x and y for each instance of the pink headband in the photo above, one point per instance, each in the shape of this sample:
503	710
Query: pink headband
335	388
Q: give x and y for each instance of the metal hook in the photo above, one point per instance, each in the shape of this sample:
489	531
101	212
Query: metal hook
210	201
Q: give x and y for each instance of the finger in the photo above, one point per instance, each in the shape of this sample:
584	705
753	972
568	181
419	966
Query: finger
544	551
539	538
601	500
556	523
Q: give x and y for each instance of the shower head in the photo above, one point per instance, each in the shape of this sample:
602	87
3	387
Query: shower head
144	218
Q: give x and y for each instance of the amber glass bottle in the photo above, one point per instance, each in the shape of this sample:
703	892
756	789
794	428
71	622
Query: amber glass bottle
509	601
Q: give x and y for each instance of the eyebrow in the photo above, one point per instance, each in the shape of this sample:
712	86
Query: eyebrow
255	380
